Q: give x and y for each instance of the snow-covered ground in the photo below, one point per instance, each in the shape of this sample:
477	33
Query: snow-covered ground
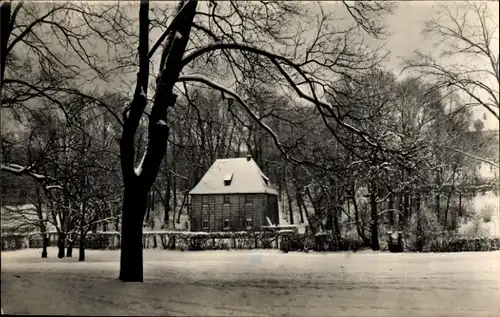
255	283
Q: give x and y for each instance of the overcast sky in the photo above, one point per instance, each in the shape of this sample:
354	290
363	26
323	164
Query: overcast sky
406	25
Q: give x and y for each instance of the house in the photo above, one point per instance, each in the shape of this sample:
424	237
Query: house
23	219
234	195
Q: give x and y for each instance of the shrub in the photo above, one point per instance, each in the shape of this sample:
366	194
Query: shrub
98	241
464	244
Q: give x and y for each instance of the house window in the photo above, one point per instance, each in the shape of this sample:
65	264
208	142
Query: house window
249	223
227	179
204	200
205	224
226	224
227	199
248	199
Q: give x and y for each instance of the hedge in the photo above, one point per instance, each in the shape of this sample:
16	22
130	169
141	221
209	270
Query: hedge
197	241
464	244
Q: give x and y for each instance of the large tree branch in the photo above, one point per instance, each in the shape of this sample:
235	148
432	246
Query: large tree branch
237	97
281	147
28	29
43	92
132	117
28	170
158	129
172	26
472	156
275	58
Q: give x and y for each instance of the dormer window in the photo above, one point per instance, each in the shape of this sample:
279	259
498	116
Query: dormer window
227	179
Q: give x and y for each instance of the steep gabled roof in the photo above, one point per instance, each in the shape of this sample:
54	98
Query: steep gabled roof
233	176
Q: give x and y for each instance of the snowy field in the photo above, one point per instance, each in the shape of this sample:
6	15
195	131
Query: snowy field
255	283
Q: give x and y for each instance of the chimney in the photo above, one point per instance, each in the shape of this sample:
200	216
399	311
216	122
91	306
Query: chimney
249	157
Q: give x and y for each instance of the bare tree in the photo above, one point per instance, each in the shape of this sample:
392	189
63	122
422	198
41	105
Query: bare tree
225	39
467	33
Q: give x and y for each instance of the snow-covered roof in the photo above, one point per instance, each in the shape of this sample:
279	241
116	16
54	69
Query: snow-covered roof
233	176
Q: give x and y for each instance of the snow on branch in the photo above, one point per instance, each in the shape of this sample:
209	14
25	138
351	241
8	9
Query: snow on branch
169	29
474	157
20	170
138	169
27	170
54	187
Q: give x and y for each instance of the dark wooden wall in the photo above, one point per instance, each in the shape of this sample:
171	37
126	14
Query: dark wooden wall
213	209
272	209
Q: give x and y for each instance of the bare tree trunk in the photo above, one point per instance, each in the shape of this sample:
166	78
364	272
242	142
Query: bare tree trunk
174	191
448	199
83	232
460	212
437	198
167	199
307	216
134	208
138	182
375	244
43	226
299	204
316	212
69	250
406	208
148	207
81	247
391	210
359	227
336	224
117	228
289	199
5	30
134	198
81	244
45	245
182	207
280	190
61	239
105	223
420	228
298	195
401	218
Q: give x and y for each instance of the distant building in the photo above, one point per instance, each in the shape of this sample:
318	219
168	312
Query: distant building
483	178
234	195
23	219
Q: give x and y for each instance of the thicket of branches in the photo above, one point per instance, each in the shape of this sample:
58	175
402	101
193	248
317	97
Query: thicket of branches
350	148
